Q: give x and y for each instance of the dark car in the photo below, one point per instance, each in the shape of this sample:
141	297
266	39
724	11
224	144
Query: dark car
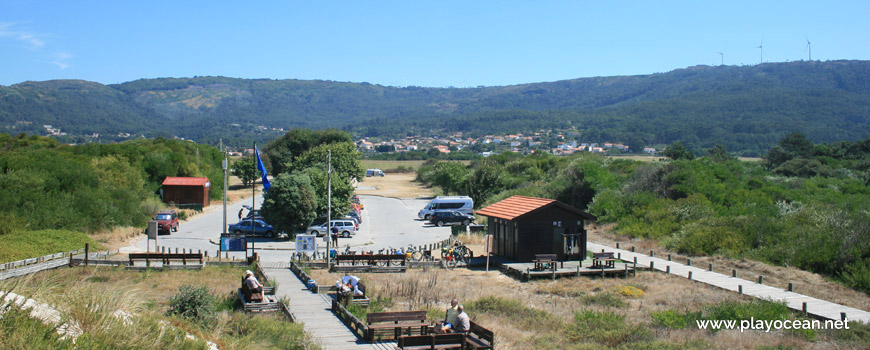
450	217
167	221
260	228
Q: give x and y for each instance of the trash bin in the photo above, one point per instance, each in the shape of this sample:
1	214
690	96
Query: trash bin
332	253
311	284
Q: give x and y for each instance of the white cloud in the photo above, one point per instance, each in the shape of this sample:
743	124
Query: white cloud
61	60
31	39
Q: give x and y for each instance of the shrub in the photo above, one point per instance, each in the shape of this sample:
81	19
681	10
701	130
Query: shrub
630	291
193	303
605	328
675	320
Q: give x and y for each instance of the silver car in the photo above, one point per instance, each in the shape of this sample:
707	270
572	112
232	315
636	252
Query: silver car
346	228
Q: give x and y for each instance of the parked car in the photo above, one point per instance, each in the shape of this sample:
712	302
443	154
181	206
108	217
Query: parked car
260	228
346	228
450	217
167	221
356	215
374	172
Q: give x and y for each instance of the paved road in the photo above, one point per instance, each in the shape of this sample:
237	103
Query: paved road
387	222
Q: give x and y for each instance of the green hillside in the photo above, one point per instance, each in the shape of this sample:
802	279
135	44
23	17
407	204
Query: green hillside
745	108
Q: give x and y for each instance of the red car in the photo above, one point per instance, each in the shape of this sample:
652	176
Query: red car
167	221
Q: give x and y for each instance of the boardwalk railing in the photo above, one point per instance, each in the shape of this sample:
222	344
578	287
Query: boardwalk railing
352	322
31	261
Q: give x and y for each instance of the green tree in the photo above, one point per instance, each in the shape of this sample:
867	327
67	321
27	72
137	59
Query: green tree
246	169
484	181
719	154
797	144
677	151
776	156
450	176
291	202
283	150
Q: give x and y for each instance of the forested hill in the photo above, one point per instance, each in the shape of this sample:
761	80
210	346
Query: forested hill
745	108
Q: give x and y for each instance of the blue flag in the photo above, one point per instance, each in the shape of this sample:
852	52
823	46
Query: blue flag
262	170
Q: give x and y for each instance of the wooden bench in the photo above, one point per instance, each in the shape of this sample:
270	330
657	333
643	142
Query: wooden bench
602	260
397	321
545	259
479	338
431	341
371	259
361	300
257	305
165	258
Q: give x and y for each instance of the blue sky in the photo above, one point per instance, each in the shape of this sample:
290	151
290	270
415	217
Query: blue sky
423	43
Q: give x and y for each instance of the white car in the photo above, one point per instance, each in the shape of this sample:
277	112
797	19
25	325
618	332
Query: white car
346	228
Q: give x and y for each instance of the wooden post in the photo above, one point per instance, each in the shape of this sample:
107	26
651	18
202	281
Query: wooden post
635	260
668	269
689	262
711	267
652	265
619	256
760	279
804	307
87	249
791	287
690	275
842	316
651	253
617	245
740	289
734	273
632	249
669	257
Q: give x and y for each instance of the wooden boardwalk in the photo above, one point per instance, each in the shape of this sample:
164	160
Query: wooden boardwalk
314	311
815	307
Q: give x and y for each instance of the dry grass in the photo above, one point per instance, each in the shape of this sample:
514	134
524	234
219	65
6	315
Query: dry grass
807	283
432	290
395	186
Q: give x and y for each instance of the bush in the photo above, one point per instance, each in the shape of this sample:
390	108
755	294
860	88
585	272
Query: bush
193	303
605	328
674	320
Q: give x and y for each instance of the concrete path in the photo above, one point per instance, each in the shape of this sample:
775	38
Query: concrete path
314	310
815	307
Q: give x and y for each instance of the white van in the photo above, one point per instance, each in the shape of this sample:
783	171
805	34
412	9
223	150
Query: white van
374	172
462	204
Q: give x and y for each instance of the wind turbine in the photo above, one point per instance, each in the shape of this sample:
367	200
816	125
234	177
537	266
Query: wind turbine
810	49
723	58
761	49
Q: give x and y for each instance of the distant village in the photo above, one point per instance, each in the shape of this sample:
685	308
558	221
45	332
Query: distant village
555	143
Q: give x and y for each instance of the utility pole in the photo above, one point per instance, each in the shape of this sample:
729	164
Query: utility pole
225	165
328	205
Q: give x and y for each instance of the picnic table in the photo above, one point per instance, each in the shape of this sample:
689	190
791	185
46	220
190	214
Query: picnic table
603	259
543	261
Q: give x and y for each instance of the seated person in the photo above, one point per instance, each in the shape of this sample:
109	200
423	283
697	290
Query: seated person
449	317
253	285
463	322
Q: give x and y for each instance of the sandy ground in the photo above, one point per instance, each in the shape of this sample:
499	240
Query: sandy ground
394	185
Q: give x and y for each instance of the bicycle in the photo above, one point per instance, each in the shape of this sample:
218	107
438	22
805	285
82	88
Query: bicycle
455	255
413	253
